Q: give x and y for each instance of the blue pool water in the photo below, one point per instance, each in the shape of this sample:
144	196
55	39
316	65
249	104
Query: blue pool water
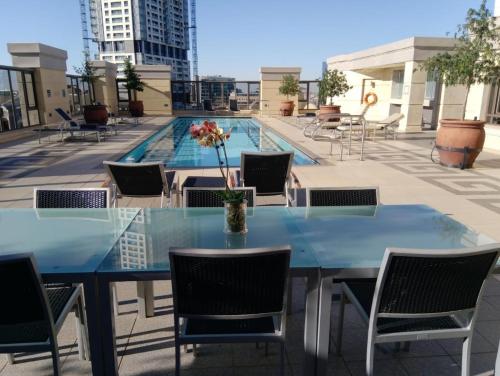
174	146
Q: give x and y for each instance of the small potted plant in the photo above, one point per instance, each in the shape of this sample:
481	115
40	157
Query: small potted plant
474	60
134	85
209	134
289	87
93	113
332	84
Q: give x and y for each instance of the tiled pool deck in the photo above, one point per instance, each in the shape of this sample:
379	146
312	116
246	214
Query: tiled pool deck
403	171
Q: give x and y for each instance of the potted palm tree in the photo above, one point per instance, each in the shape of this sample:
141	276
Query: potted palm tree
134	85
289	87
474	60
93	113
332	84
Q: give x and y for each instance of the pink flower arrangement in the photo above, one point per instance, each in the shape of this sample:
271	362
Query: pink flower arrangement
209	134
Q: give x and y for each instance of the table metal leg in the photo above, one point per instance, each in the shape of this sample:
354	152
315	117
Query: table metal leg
311	322
145	298
107	328
93	325
325	307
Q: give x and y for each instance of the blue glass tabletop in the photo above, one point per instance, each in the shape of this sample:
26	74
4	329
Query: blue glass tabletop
144	245
326	237
356	237
63	240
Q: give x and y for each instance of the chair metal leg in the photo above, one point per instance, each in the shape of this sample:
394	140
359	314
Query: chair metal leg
370	353
56	364
466	350
10	358
282	360
81	331
340	323
145	298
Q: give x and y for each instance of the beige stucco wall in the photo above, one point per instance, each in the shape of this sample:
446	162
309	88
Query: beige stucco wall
270	98
49	64
157	94
105	85
378	81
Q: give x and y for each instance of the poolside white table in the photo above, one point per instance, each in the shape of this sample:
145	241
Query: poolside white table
131	245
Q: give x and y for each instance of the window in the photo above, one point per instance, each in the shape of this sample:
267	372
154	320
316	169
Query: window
397	84
118	27
115	4
116	12
430	86
117	35
117	19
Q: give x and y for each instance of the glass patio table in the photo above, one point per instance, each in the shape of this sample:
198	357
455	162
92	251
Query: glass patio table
141	254
350	243
68	246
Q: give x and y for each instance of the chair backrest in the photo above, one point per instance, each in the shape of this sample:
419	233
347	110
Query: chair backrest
394	118
209	197
267	172
66	117
71	198
342	196
225	283
432	282
25	315
138	179
207	105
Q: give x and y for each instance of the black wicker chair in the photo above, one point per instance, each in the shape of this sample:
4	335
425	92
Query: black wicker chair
422	295
142	179
32	315
269	172
357	196
229	296
71	198
208	197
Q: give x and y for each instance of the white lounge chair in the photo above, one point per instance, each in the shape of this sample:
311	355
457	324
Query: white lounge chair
388	125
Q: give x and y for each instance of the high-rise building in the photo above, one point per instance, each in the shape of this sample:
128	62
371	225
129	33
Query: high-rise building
146	31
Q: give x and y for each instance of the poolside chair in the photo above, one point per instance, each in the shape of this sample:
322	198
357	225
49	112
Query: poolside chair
229	296
207	105
421	295
142	180
388	125
269	172
71	198
209	197
233	105
32	315
71	126
342	196
75	198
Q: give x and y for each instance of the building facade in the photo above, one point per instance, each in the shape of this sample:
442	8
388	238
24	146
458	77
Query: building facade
145	31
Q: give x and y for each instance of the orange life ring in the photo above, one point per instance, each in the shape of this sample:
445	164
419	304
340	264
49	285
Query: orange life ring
370	99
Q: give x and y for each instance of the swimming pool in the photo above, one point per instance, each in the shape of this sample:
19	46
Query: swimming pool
174	146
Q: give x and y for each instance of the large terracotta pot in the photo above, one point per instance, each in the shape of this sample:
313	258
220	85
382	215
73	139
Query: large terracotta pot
95	114
136	108
459	142
286	108
326	111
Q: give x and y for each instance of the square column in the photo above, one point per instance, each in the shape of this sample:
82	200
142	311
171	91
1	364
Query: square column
49	64
413	97
105	84
270	81
157	94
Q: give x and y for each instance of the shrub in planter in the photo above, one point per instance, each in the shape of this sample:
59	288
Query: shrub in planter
289	87
133	84
332	84
474	60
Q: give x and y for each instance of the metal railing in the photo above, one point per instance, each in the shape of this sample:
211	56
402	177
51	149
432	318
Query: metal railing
220	95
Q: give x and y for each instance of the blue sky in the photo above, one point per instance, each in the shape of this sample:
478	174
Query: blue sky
237	37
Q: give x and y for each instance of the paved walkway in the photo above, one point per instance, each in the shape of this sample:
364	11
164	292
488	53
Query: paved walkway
403	171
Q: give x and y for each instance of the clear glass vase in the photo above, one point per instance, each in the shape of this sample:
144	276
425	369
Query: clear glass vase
235	217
